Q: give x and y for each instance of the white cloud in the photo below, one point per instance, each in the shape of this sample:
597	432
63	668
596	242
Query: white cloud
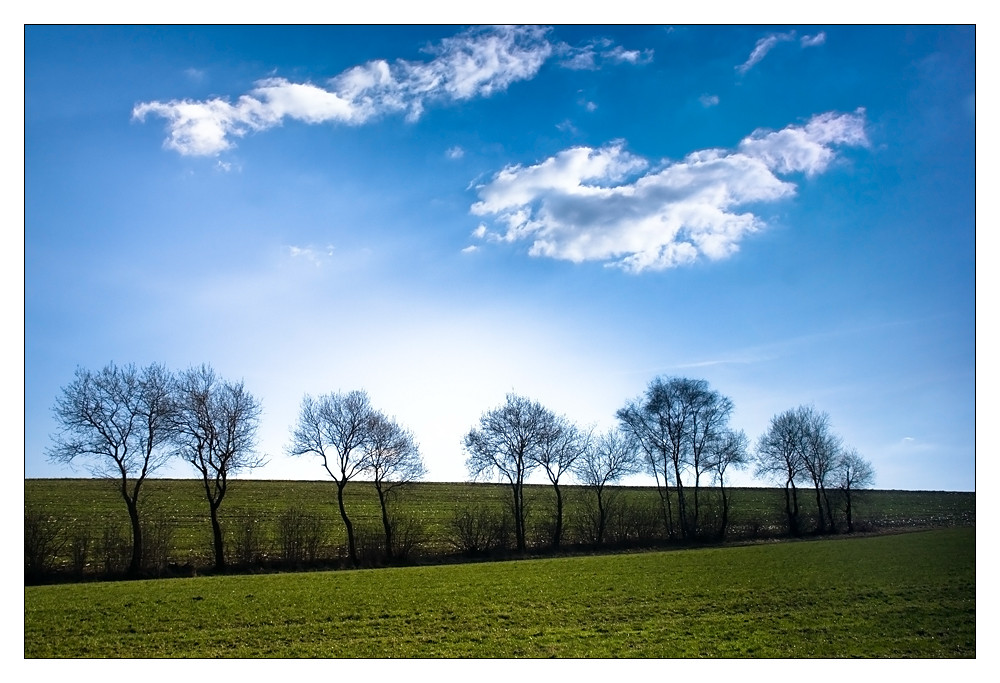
580	59
197	128
813	41
908	447
708	100
567	126
478	62
806	149
472	248
765	44
455	152
315	256
762	47
590	55
606	204
475	63
621	55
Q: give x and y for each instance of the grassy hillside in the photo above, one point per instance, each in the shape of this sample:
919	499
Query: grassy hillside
90	507
902	595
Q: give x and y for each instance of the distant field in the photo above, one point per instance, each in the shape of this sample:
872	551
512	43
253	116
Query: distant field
93	504
901	595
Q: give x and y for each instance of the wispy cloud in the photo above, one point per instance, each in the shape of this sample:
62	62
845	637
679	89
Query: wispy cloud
567	126
765	45
813	41
909	446
606	204
478	62
721	361
708	100
315	256
593	54
454	152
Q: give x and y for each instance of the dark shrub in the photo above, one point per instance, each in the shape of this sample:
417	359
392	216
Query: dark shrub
43	541
300	535
475	530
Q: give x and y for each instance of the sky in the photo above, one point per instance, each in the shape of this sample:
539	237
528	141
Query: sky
441	215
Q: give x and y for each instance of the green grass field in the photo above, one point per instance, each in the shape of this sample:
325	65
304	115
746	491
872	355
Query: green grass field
90	505
902	595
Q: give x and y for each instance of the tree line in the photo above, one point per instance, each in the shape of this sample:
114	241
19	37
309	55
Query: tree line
127	422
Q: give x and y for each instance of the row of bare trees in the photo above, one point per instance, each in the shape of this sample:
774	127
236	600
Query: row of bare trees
520	436
130	421
800	448
677	432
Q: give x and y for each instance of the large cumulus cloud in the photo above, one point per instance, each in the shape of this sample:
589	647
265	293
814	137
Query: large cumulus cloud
606	204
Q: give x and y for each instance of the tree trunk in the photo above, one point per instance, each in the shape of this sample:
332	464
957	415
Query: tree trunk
788	511
819	509
694	522
220	556
351	551
385	522
664	491
135	564
829	509
668	511
847	511
557	538
795	508
792	507
725	510
519	517
601	515
681	507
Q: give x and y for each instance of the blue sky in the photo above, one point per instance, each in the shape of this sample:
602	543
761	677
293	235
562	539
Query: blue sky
442	215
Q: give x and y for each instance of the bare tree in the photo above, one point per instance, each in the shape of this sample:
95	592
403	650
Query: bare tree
647	422
674	423
506	444
820	449
730	449
779	458
335	428
852	472
118	418
799	447
560	444
605	460
214	429
393	458
709	424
